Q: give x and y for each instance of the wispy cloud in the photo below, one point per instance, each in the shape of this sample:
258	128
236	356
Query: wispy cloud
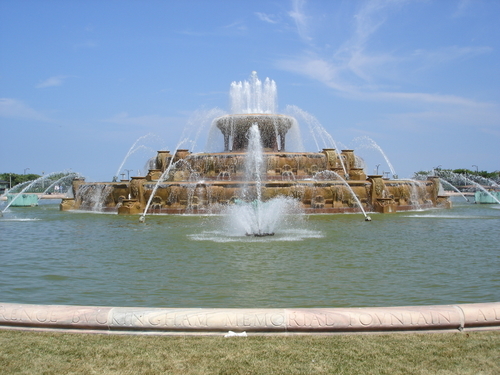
357	70
16	109
236	25
450	53
269	18
442	99
52	81
300	18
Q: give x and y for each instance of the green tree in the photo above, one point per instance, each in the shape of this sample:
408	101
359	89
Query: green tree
17	179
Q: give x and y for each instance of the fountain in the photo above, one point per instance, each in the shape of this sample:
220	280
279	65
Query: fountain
27	193
486	191
219	182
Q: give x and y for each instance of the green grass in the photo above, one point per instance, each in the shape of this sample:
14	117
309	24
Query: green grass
62	353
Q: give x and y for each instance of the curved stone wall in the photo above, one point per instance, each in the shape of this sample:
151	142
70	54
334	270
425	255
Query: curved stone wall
257	321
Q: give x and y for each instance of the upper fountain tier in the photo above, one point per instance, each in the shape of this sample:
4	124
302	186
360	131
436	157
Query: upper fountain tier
273	129
254	102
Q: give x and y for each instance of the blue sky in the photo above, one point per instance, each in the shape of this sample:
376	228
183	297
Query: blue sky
81	81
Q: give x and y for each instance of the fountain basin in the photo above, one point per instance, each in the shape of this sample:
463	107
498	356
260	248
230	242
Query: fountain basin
135	320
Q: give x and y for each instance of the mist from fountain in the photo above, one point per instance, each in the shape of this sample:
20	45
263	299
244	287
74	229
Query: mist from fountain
485	181
68	178
250	215
414	194
93	197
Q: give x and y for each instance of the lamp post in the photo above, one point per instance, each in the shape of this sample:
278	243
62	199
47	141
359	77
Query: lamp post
128	173
378	165
25	169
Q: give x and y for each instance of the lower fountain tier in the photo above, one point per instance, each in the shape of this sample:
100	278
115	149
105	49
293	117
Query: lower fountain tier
375	195
323	182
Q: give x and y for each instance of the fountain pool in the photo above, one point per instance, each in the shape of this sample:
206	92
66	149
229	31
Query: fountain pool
406	258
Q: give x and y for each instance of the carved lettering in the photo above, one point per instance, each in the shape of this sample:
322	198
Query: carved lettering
104	318
480	312
293	318
440	315
421	316
366	319
198	320
229	322
277	320
398	319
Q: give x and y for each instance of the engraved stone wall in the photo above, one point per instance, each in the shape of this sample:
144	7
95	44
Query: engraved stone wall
204	321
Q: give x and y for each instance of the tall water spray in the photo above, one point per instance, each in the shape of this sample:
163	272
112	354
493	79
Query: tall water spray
251	216
254	96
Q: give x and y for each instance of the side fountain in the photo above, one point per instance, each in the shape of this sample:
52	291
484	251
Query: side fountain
325	182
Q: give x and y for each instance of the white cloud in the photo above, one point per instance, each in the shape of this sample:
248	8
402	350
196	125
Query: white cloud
16	109
238	25
452	100
52	81
299	17
447	54
269	18
358	74
316	68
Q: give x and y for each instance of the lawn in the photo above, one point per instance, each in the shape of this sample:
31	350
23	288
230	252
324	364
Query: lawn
25	352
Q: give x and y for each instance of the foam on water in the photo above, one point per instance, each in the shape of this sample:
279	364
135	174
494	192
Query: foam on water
287	235
18	219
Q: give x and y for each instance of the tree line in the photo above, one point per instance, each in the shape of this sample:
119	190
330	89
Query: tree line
15	179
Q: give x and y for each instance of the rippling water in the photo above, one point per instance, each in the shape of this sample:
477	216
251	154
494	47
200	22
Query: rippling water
413	258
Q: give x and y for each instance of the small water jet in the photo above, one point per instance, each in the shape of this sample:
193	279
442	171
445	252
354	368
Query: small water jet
367	142
136	146
454	188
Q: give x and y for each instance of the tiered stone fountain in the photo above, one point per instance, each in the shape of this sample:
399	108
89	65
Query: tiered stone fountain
328	181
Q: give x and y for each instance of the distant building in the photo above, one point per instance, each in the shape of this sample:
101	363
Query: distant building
4	185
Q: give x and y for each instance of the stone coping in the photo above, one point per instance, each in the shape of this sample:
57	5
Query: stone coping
143	320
